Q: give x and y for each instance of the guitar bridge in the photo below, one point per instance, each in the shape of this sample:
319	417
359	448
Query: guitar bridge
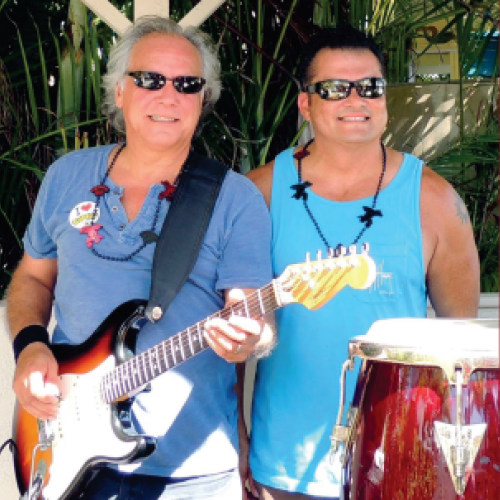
46	433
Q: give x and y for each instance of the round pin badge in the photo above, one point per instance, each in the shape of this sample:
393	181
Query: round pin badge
81	215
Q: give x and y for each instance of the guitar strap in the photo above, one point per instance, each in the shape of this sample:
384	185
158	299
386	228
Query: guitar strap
183	231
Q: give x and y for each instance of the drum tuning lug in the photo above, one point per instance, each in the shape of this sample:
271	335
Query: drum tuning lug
340	435
459	443
366	247
342	250
331	253
318	255
353	250
308	257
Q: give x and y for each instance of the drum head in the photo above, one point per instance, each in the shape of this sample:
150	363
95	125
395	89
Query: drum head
466	344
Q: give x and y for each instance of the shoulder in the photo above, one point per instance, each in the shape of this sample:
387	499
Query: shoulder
262	177
452	263
73	162
240	183
446	226
438	194
239	194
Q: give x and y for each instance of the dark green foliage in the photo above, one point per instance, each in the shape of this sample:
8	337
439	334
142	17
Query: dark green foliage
259	42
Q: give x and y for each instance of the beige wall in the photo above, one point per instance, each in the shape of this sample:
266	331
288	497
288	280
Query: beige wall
424	118
8	488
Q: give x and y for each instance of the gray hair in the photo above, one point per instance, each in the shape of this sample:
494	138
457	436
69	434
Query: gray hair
120	55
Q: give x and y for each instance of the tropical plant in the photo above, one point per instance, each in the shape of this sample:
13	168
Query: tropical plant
43	114
50	79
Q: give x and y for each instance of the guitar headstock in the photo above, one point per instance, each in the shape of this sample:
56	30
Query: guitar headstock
313	283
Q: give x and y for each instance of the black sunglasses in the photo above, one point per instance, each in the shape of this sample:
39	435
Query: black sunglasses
336	90
155	81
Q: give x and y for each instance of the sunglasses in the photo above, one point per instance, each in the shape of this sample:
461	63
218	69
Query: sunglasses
336	90
155	81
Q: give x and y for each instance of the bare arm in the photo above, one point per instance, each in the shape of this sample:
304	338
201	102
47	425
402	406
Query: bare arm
451	258
29	302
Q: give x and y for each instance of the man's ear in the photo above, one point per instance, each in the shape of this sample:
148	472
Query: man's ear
304	102
119	95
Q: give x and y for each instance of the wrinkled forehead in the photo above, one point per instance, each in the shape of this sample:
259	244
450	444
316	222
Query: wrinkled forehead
166	48
346	64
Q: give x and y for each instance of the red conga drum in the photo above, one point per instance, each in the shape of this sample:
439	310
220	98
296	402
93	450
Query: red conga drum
424	420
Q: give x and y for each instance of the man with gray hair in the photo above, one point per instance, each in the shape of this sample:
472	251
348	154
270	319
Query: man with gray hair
89	248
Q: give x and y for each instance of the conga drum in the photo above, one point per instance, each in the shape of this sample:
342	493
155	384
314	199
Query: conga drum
424	419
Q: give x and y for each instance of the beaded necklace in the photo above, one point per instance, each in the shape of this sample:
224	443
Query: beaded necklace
148	236
366	218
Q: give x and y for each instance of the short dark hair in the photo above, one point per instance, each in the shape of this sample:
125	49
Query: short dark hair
343	37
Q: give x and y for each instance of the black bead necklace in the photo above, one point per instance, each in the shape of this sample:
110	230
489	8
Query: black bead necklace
148	236
301	193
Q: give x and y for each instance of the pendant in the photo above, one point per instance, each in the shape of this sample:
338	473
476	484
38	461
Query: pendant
168	192
300	190
368	216
100	190
92	234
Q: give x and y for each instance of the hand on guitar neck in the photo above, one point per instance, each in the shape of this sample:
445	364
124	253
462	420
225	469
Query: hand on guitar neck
239	337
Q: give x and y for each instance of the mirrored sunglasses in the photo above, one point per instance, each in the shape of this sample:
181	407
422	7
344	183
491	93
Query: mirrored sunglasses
155	81
336	90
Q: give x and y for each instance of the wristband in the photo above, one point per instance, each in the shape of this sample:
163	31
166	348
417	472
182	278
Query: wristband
28	335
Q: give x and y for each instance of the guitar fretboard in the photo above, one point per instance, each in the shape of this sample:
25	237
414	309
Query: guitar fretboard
141	369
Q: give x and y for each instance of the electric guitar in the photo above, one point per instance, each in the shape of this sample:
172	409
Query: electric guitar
100	376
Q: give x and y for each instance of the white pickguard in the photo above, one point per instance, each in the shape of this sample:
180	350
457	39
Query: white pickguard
83	431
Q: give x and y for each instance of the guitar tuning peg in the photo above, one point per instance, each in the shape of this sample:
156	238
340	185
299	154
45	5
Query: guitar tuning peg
318	266
330	264
366	248
353	250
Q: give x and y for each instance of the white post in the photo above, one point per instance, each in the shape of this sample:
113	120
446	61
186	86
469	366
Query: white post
200	13
109	14
151	7
119	23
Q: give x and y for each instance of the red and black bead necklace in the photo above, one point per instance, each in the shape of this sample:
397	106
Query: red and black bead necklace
148	236
301	193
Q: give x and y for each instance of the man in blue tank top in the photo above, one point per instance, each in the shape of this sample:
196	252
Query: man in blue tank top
346	188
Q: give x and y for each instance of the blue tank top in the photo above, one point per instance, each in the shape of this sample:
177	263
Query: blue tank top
296	392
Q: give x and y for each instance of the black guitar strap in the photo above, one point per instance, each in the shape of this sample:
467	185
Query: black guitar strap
183	231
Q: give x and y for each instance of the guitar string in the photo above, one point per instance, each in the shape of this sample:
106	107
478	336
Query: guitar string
137	369
253	307
183	343
125	370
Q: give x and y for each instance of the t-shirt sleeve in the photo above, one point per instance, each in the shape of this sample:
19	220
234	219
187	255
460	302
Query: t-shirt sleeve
246	256
37	241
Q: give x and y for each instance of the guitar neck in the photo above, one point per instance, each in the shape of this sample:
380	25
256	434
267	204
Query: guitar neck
141	369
